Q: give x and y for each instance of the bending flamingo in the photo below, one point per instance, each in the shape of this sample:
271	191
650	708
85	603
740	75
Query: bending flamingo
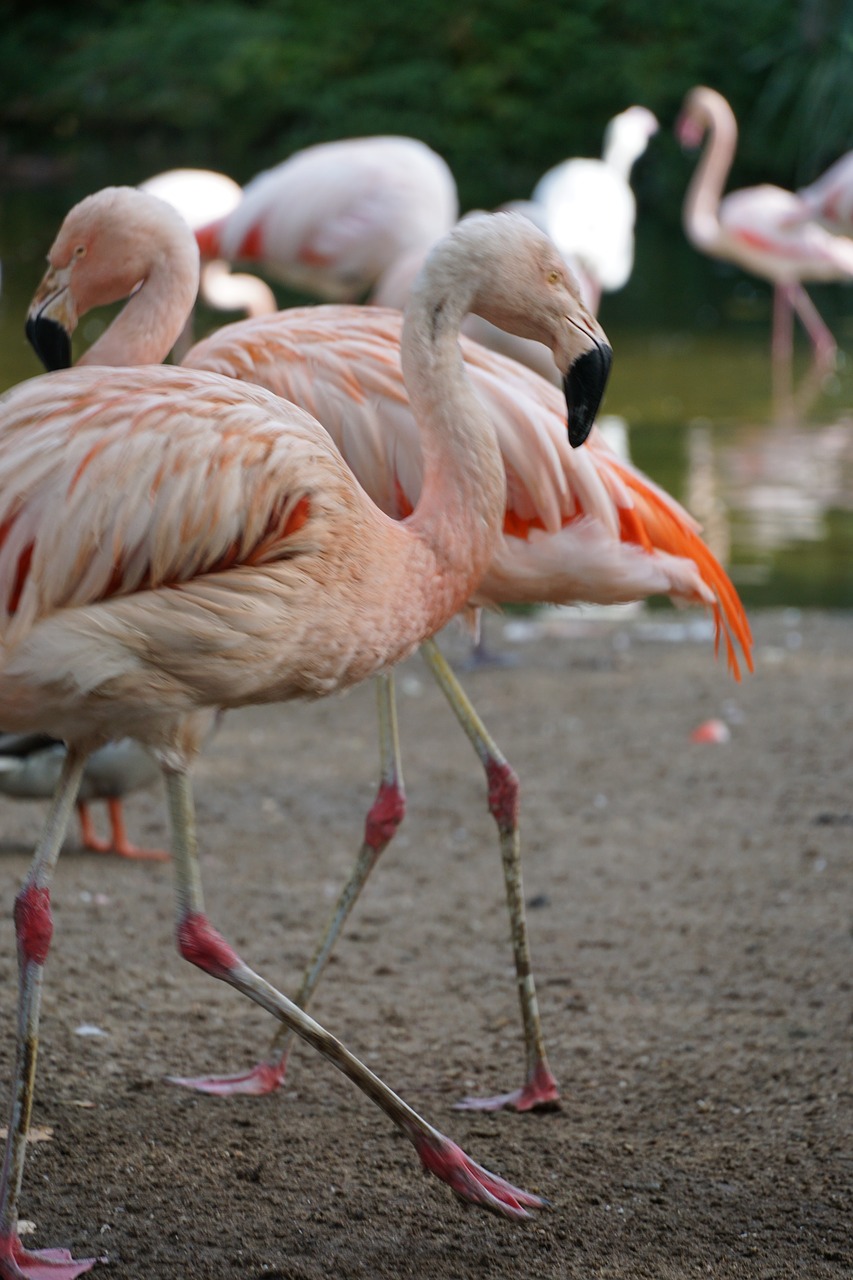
579	526
331	218
829	199
588	207
176	542
762	229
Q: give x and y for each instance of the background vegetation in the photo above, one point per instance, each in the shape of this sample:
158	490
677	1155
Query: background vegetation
502	88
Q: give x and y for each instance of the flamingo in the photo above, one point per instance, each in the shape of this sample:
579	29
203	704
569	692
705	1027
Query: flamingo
175	542
30	764
331	218
829	199
579	526
588	207
763	229
199	195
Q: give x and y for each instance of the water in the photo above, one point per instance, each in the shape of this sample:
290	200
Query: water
771	481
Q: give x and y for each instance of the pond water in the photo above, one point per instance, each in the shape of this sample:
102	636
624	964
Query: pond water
770	477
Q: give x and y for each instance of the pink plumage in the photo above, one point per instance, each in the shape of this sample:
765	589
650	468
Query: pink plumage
765	229
173	542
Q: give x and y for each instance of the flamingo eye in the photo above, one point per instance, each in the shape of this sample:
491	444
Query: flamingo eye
80	251
553	276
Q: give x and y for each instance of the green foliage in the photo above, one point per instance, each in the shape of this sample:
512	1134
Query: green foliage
502	90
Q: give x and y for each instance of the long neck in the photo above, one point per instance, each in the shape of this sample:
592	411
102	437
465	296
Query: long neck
621	151
702	203
461	507
151	321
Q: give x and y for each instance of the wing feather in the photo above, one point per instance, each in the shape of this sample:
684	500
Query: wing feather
342	364
213	474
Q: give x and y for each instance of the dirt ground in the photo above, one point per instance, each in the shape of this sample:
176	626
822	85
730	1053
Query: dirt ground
690	914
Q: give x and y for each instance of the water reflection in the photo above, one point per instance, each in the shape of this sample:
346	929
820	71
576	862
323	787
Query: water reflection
768	471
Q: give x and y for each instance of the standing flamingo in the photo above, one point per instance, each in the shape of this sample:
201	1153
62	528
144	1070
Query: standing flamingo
588	207
176	542
762	229
578	526
330	219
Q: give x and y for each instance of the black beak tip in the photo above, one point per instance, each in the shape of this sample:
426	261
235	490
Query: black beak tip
50	342
584	387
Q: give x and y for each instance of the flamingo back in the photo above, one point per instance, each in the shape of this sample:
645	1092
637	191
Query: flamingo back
580	525
333	217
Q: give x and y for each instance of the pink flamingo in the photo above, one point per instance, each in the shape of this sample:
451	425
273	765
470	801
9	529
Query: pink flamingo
829	199
330	219
199	195
759	228
174	542
588	207
579	525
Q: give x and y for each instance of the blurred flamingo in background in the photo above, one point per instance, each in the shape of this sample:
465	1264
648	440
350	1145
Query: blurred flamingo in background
331	218
829	199
200	195
762	229
588	207
578	525
175	542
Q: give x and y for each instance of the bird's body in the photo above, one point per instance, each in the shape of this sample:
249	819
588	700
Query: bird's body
579	526
244	490
763	229
829	199
588	207
31	765
173	542
330	219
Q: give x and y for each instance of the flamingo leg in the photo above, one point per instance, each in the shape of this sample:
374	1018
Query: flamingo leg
118	843
539	1091
33	929
382	821
825	346
203	946
782	341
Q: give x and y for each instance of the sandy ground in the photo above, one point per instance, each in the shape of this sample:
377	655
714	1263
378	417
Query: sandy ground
691	926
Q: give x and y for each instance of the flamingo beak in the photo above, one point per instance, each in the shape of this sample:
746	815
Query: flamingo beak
50	341
52	319
584	387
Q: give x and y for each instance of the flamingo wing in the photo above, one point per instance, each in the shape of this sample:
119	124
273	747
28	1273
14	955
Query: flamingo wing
226	485
580	525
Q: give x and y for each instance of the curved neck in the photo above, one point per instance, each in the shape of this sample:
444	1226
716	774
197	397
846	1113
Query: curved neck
152	319
702	203
460	510
621	152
